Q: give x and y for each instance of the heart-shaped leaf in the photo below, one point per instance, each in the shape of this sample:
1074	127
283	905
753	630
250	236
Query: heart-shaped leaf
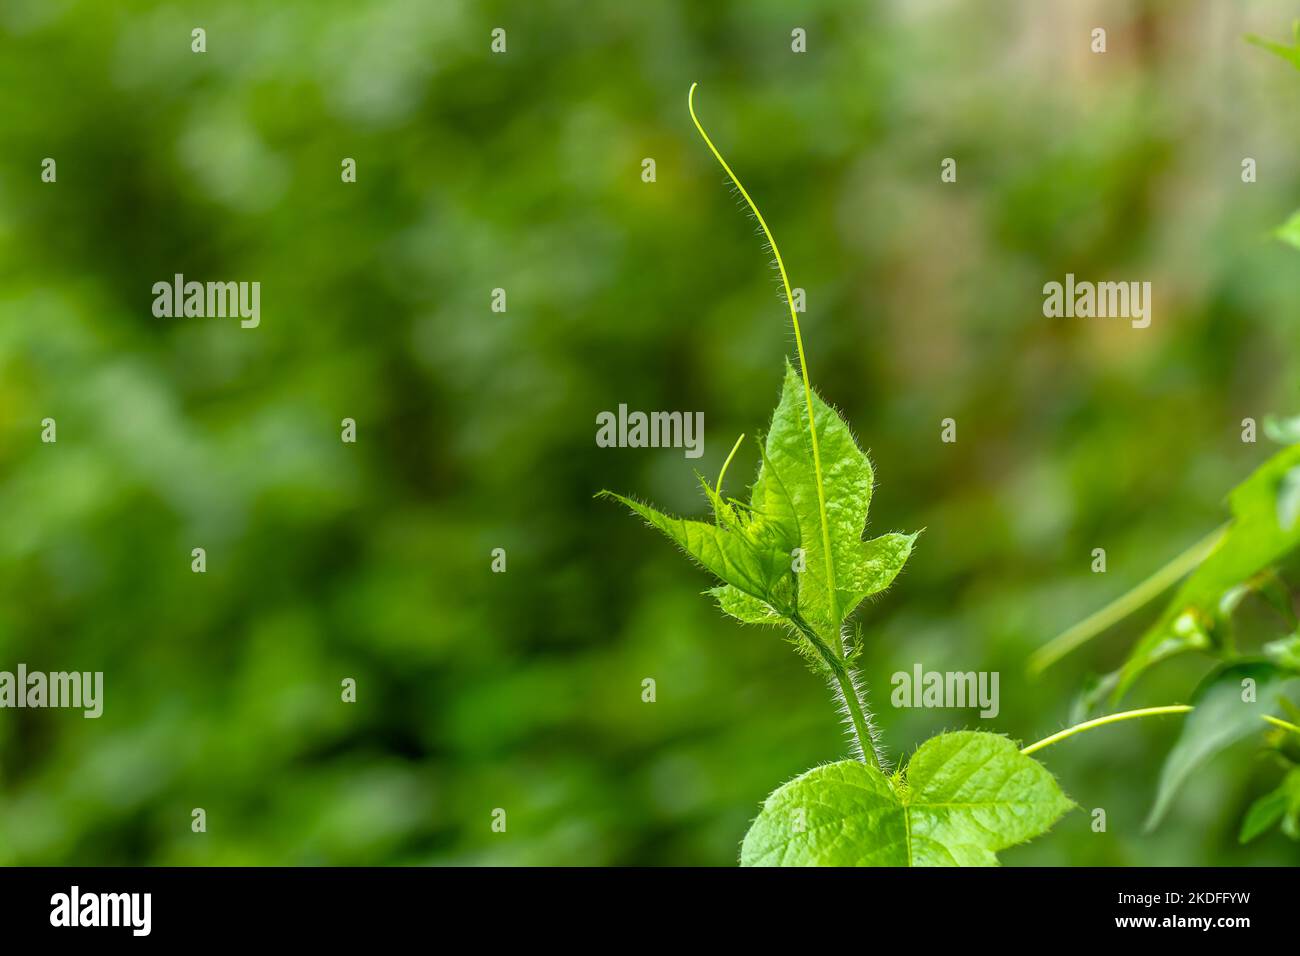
1230	705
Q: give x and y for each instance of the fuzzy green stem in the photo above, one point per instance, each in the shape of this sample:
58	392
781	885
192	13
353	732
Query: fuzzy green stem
861	728
1102	721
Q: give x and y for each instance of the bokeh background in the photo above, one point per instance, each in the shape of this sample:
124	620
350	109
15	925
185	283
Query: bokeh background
476	429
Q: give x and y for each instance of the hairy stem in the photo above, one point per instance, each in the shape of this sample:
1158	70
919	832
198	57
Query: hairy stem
861	728
1102	721
861	725
803	361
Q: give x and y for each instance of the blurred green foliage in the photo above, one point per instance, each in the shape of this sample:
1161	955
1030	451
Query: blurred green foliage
475	429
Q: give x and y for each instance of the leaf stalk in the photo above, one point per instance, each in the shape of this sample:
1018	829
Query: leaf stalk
838	669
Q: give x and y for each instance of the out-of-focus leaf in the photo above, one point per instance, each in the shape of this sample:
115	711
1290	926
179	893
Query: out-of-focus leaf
1289	53
1289	231
1285	652
1096	687
1221	718
1263	813
1254	541
1288	500
1282	804
1285	431
1291	822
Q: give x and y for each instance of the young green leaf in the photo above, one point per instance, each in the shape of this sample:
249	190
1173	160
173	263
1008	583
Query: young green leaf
1256	539
1272	807
778	558
745	607
787	487
752	549
963	797
1289	53
1225	712
751	556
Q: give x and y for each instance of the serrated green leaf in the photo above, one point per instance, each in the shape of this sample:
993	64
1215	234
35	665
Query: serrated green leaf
786	490
1255	540
745	607
963	797
1220	719
841	814
846	480
882	559
752	549
744	558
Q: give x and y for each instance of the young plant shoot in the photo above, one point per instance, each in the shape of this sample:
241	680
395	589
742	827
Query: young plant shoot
794	556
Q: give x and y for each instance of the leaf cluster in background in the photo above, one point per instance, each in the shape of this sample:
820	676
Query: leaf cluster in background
1232	703
1263	530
